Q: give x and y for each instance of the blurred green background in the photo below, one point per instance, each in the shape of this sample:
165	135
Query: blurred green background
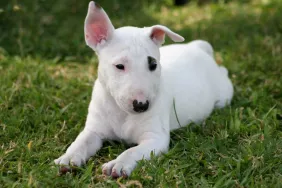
55	28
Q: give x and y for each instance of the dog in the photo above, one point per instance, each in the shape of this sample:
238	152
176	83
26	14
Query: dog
143	91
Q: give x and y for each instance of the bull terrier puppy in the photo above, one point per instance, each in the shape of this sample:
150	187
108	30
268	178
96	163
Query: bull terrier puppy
143	91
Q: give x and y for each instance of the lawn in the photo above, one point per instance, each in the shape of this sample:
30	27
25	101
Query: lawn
46	78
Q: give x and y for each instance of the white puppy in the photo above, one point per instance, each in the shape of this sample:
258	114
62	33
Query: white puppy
144	91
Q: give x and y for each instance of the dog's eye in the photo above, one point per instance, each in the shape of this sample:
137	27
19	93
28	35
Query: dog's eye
152	63
120	66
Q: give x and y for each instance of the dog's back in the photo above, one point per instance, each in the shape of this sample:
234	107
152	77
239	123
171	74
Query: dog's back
196	82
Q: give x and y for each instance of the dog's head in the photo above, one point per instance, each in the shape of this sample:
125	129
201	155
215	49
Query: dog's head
129	59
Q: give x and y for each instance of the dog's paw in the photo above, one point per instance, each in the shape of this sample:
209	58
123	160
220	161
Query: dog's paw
117	168
68	163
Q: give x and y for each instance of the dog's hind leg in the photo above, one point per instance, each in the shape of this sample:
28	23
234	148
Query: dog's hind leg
225	89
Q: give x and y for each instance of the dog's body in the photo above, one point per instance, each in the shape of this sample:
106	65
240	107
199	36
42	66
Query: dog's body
141	105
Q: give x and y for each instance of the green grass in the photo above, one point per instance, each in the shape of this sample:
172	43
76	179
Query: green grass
46	77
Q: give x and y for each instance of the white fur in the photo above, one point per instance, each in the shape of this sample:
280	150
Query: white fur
187	78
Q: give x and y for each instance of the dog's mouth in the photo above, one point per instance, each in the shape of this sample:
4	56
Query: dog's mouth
139	111
125	107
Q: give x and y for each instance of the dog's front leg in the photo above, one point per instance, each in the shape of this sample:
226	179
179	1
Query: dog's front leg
126	162
85	145
89	141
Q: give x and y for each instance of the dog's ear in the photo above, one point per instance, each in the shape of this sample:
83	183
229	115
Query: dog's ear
158	32
98	28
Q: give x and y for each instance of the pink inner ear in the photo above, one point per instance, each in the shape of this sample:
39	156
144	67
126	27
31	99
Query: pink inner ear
95	33
98	26
158	34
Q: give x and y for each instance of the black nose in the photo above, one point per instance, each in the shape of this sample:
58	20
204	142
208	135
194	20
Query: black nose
139	106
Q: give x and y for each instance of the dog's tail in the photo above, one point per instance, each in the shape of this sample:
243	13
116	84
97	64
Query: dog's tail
205	46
